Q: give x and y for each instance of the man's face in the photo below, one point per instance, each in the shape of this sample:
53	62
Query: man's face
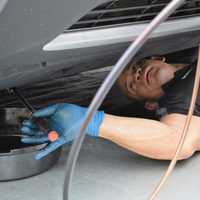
146	82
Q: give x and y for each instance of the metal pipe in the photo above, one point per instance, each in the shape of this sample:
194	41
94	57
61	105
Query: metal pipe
106	86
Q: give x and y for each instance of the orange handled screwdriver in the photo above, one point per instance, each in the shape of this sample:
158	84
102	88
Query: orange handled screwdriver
41	123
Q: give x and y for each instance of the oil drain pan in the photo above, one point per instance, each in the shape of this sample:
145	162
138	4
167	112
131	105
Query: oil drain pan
17	159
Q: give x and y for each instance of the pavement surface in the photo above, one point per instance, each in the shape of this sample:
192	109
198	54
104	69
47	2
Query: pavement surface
106	171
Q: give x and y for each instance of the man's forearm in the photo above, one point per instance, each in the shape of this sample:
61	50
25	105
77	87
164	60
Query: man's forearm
149	138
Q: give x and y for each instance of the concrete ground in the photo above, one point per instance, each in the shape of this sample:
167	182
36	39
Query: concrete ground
108	172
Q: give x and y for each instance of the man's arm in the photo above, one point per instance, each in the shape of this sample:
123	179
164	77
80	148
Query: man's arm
151	138
146	137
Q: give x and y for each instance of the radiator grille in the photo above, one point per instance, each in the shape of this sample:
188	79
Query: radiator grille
132	11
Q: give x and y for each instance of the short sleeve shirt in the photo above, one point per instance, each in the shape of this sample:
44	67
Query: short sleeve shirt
177	93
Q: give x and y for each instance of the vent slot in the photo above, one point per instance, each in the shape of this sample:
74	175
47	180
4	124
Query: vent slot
120	12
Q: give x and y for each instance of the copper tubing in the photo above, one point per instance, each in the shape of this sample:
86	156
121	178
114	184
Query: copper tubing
183	135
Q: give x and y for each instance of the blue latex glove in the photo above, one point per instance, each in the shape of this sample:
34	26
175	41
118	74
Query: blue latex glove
66	120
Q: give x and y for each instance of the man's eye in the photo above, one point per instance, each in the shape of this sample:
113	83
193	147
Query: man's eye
133	86
138	78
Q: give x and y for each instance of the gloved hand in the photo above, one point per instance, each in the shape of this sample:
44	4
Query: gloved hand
66	120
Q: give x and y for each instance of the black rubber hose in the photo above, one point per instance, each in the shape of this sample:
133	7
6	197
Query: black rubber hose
106	86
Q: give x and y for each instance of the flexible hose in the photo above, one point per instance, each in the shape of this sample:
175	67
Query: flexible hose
106	86
184	133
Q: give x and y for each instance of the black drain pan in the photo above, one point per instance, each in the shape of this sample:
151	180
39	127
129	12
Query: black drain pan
17	159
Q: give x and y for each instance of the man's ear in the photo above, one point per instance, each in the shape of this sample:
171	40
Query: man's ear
161	58
151	105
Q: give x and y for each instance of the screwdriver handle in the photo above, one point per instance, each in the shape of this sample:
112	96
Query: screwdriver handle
43	125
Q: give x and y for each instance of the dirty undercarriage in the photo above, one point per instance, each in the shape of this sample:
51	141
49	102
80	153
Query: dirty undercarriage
80	87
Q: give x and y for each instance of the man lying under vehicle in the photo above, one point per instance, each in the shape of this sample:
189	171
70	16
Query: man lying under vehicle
164	87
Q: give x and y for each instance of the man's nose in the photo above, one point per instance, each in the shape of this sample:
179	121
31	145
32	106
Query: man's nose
138	74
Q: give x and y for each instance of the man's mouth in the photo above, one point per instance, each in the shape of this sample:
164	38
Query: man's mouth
148	74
